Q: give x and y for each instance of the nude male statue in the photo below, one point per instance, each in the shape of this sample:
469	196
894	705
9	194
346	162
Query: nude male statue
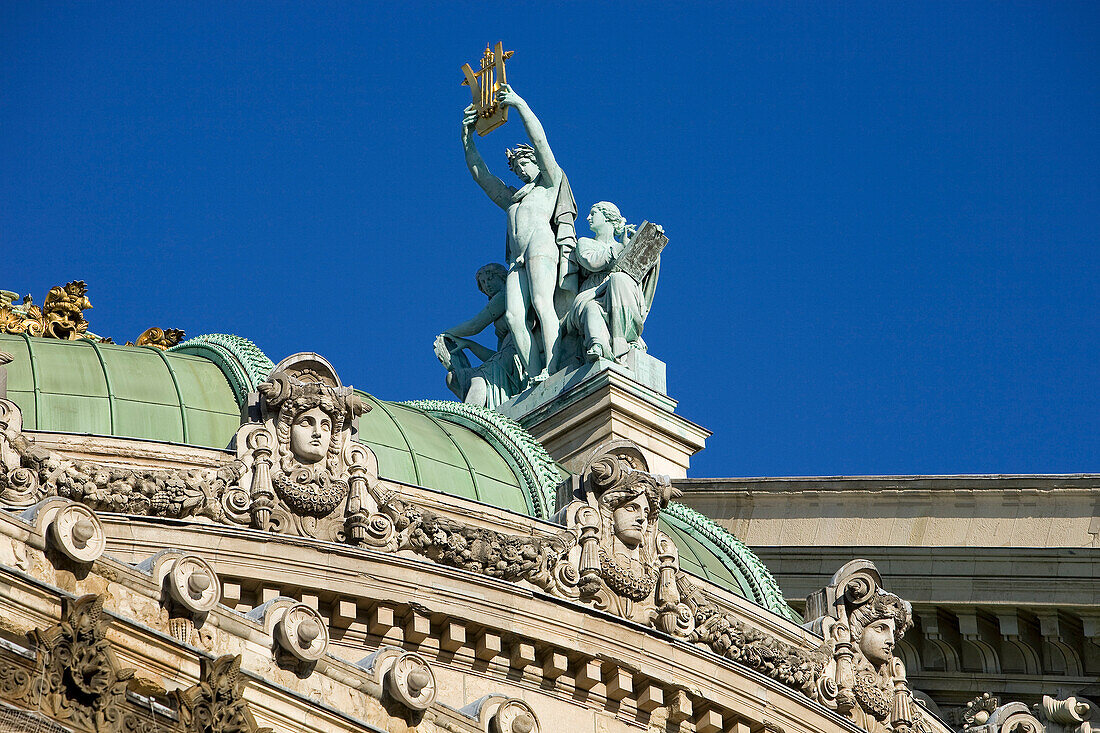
536	214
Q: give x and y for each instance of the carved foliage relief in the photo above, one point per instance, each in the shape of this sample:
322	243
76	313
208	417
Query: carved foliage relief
216	704
75	679
297	470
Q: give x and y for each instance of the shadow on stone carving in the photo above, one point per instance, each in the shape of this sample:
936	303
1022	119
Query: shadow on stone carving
216	704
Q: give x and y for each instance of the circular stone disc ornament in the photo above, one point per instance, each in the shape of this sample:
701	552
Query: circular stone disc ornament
194	584
77	532
302	632
515	716
412	681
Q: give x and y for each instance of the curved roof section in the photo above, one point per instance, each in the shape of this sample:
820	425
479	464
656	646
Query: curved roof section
423	448
713	552
193	394
127	391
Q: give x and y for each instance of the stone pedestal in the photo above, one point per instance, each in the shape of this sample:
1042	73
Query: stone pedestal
574	411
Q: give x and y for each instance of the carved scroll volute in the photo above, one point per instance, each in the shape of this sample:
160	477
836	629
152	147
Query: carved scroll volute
1070	714
18	485
261	494
852	585
364	524
863	623
11	424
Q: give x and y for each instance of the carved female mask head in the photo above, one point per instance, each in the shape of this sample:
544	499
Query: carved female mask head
311	435
878	625
630	514
630	521
877	641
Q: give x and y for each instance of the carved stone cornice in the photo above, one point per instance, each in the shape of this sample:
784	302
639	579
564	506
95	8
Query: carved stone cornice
609	553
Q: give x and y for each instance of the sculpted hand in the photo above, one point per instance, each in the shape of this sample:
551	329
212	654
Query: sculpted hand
469	119
508	98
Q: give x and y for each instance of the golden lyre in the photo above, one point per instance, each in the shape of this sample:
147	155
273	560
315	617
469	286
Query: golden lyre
484	85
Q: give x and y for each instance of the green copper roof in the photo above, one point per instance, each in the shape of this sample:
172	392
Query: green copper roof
716	554
126	391
417	447
244	364
193	394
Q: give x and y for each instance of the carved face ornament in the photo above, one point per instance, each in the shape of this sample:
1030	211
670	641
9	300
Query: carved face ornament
630	521
526	168
877	641
311	435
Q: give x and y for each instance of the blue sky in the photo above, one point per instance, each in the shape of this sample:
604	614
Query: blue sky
882	216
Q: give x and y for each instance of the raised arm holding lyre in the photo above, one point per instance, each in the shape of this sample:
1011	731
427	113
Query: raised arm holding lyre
532	252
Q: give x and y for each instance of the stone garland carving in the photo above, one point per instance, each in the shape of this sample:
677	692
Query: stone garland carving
862	624
297	470
610	555
216	704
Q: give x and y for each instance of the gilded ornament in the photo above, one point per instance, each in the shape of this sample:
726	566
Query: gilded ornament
159	338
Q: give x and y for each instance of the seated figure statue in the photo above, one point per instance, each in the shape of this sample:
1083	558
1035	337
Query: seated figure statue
497	377
611	306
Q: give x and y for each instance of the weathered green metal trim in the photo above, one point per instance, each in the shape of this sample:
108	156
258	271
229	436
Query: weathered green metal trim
242	362
537	472
176	384
34	375
106	380
765	589
469	466
412	453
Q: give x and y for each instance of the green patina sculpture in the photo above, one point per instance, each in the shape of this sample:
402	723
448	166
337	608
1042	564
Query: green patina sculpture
609	311
565	301
497	377
540	233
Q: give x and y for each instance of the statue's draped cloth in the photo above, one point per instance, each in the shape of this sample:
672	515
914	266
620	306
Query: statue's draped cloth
623	301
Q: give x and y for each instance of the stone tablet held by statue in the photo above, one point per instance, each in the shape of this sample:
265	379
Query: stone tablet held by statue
641	252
